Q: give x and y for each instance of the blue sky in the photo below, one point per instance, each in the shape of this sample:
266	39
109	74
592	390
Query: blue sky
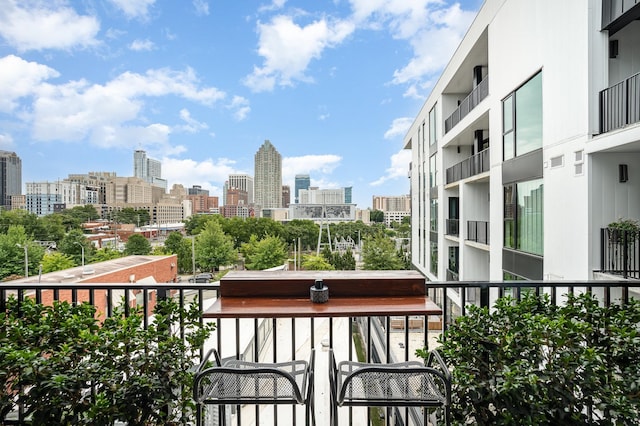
200	84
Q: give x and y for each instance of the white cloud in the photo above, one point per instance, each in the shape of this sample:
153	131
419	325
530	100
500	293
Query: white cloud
240	107
399	127
432	28
134	8
39	25
20	78
307	164
191	125
399	168
111	114
202	7
209	173
6	142
288	48
142	45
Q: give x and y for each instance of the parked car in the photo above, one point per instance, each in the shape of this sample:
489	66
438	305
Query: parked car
205	277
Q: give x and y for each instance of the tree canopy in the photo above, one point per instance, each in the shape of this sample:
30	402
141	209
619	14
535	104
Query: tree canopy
265	253
214	248
137	245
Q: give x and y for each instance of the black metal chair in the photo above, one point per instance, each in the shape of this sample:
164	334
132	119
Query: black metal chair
243	382
404	384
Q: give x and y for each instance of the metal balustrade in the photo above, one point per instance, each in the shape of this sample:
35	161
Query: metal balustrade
478	231
380	339
474	165
476	96
620	104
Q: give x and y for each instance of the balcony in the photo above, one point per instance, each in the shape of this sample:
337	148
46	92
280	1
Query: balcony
453	226
620	104
381	338
620	253
474	165
474	98
478	231
616	14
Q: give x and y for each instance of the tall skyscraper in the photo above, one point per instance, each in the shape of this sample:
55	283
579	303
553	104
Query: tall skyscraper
148	169
268	177
302	182
10	177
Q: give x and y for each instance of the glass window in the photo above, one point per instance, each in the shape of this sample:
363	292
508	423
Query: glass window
433	267
433	214
433	135
522	119
433	171
530	217
523	216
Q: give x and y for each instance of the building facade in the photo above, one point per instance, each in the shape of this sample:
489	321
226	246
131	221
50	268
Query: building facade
10	178
44	198
301	182
243	182
268	177
528	144
148	169
400	203
323	196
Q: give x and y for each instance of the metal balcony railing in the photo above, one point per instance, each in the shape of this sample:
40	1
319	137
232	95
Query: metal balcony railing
476	96
453	227
620	104
478	231
620	253
474	165
614	10
381	338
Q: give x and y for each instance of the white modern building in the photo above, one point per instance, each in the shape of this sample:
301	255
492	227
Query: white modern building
529	143
44	198
322	196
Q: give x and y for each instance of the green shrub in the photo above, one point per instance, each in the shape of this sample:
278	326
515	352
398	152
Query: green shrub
534	363
67	368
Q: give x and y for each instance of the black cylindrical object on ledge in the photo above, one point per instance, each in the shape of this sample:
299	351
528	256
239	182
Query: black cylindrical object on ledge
319	293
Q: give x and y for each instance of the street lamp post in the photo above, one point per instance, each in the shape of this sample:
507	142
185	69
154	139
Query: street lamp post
26	259
81	248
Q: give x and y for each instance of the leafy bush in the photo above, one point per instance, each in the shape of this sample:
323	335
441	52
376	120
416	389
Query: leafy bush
67	368
534	363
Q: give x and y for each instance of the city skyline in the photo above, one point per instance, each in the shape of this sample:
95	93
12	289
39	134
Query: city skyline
199	86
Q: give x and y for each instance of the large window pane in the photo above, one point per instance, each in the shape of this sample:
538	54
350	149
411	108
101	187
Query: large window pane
433	136
529	116
530	217
433	214
434	258
433	171
509	217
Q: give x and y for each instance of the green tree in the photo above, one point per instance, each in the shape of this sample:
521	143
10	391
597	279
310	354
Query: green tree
104	254
213	248
376	216
137	245
316	263
74	217
306	230
12	253
197	222
135	216
56	261
180	246
73	243
264	254
379	253
50	228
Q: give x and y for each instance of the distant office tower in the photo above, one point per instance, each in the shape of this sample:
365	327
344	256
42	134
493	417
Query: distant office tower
197	190
286	196
243	182
268	177
302	182
348	191
43	198
401	203
10	177
148	169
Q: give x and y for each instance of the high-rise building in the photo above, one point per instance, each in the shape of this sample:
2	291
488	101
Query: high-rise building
197	190
10	177
148	169
302	182
314	195
401	203
243	182
286	196
518	162
268	177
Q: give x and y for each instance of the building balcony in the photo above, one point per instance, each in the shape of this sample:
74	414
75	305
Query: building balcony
474	98
474	165
620	104
620	253
274	333
453	227
478	231
616	14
